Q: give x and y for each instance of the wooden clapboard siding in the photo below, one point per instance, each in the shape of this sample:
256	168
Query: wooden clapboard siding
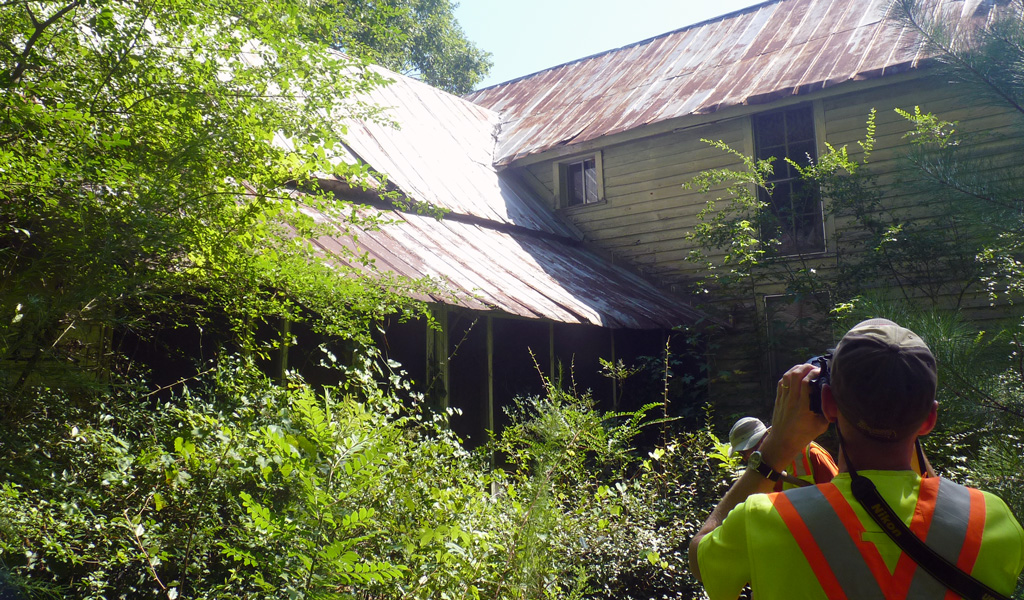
845	126
541	173
647	212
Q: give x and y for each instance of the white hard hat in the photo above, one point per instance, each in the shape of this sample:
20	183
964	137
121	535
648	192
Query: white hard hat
745	434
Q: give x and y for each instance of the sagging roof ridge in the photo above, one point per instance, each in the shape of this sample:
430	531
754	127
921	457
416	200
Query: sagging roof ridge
374	199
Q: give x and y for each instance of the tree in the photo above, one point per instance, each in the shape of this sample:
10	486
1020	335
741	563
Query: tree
988	64
150	157
419	38
983	376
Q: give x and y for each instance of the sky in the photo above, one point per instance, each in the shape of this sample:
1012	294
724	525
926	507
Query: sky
526	36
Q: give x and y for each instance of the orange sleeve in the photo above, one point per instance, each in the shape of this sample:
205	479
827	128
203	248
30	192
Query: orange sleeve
822	465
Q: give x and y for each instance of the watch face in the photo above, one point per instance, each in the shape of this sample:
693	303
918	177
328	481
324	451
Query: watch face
755	460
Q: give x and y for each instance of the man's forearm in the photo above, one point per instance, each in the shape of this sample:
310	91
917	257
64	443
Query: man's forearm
794	425
750	482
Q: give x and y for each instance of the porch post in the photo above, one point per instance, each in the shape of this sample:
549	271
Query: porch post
490	373
286	339
612	380
438	372
552	363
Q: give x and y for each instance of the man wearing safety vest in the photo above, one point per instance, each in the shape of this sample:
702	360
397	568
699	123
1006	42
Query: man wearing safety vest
813	465
820	541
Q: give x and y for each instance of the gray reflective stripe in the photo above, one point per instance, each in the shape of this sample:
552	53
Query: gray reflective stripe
829	533
798	468
946	535
798	465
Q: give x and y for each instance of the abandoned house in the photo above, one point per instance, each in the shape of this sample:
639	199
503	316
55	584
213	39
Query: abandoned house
782	78
567	216
524	296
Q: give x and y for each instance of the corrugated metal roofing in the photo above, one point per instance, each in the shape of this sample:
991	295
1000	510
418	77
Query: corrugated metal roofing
442	154
517	273
498	249
756	55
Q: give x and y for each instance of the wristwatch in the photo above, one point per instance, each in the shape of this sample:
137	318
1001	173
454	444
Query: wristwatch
754	463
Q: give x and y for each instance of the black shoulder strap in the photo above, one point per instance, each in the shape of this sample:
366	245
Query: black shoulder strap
795	480
935	565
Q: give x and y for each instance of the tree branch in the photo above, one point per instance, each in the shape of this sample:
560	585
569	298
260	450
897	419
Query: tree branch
22	64
910	17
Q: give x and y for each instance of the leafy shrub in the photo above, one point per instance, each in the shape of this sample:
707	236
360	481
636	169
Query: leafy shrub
241	488
616	522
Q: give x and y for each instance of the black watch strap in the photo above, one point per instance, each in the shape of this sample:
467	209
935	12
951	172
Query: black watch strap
756	463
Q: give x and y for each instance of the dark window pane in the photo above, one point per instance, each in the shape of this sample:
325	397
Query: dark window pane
581	182
764	152
799	125
775	218
779	169
809	227
794	213
770	129
805	197
802	153
787	169
810	236
575	181
781	201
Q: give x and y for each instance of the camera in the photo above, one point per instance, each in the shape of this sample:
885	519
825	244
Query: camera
822	362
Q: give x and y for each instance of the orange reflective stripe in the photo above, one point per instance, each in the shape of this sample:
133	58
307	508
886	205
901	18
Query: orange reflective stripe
810	548
949	517
856	530
919	525
972	541
975	530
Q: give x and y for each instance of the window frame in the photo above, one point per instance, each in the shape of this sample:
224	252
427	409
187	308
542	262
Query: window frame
788	181
563	185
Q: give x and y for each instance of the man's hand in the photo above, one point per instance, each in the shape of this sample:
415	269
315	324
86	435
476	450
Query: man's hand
794	425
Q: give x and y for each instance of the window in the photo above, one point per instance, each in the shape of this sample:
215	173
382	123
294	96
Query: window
795	216
579	181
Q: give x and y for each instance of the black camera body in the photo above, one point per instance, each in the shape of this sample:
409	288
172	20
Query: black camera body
822	362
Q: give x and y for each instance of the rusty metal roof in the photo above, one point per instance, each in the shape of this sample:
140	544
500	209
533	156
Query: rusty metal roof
442	154
517	273
498	249
763	53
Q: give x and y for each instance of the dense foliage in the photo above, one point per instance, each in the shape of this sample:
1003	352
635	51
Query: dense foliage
147	153
241	488
418	38
151	164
